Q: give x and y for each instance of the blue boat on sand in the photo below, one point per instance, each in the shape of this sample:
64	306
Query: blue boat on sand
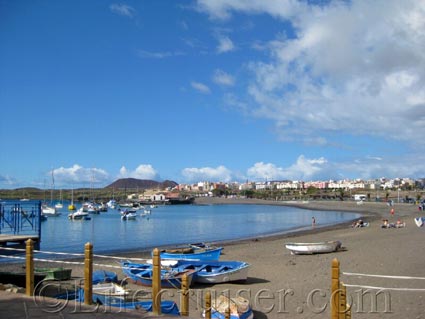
193	251
214	272
113	295
168	307
100	276
142	274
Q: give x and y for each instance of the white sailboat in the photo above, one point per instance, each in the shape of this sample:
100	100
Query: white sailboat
59	205
47	210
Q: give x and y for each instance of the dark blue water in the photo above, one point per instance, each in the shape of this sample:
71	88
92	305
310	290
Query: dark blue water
178	224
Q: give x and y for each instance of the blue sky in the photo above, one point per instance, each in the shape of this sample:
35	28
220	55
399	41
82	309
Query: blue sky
210	90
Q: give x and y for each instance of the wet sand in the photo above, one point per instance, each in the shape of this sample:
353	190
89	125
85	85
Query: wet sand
281	285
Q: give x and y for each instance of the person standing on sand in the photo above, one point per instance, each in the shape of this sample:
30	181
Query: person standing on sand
313	221
392	211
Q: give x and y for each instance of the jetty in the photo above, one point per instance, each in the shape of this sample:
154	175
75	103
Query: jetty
20	222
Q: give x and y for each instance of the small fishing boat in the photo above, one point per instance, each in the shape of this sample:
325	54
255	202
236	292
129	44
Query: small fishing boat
112	203
239	308
193	251
419	221
54	273
168	307
102	207
142	274
78	215
103	276
113	295
106	293
128	214
214	272
313	248
49	211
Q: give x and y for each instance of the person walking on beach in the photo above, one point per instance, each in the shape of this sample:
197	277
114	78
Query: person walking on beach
313	221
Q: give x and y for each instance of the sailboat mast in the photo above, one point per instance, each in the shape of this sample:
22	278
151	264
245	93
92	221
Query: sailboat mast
51	190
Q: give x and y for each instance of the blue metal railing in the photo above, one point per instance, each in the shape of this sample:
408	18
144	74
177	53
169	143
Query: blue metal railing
20	218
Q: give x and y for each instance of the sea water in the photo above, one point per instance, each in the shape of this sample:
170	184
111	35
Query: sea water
171	225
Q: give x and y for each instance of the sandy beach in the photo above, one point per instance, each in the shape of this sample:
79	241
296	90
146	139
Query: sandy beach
281	285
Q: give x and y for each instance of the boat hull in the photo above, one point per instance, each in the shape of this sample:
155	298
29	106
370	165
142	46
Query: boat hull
216	272
313	248
419	221
55	273
197	254
168	307
141	274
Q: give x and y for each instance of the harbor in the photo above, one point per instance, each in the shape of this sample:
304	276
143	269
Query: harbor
275	270
170	225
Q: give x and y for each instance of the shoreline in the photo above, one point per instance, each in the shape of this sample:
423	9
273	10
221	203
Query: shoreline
274	271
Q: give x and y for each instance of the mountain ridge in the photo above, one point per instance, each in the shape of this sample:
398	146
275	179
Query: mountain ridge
141	183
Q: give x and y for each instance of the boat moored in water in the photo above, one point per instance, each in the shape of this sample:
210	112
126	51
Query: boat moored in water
78	215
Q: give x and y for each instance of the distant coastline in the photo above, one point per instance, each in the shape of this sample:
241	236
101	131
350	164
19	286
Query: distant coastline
370	209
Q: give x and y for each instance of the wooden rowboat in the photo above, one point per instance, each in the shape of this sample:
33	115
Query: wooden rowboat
313	248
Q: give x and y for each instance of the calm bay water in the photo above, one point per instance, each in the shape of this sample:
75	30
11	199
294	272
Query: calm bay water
178	224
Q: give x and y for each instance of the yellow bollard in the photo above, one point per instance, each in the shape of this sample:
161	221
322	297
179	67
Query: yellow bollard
335	289
184	301
156	283
88	273
29	267
208	305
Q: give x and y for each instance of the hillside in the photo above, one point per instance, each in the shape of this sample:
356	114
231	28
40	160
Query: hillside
133	183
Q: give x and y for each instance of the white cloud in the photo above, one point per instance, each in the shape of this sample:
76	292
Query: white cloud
7	180
222	78
200	87
265	171
123	9
354	68
143	171
77	174
225	45
221	9
302	169
218	174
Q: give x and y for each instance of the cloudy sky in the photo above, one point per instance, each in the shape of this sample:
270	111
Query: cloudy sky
210	90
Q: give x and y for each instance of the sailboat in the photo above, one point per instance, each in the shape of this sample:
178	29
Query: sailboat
59	205
72	206
47	210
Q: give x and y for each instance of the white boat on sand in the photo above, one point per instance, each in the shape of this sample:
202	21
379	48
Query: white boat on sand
419	221
313	248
